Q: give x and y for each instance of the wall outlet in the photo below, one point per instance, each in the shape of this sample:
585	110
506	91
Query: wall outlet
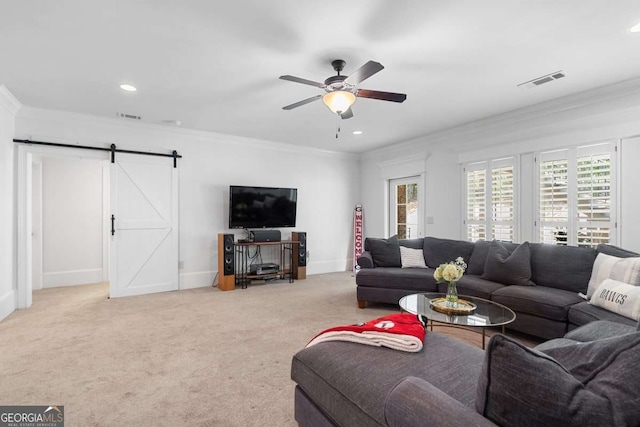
180	265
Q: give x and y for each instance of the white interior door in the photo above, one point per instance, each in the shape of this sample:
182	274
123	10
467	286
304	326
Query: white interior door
144	203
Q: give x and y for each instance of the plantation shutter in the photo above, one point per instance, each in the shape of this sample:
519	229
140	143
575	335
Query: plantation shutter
594	196
554	197
490	200
576	196
476	201
502	200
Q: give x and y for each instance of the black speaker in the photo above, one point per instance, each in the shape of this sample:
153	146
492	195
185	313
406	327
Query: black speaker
300	255
226	262
266	235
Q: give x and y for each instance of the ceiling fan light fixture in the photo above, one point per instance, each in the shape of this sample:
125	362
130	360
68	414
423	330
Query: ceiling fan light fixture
339	101
128	87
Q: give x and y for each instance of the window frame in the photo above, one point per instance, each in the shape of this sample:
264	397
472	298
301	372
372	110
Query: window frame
489	222
572	154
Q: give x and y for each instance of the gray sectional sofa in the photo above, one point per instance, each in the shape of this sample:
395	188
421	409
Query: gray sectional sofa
549	309
587	378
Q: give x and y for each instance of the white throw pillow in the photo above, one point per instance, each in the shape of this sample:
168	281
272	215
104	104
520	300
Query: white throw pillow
626	270
618	297
412	258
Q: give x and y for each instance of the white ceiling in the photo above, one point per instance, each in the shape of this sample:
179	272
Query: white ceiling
215	65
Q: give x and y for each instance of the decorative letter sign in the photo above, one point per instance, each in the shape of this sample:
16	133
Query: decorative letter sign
357	236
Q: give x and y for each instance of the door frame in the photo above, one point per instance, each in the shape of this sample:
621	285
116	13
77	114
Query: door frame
391	203
25	158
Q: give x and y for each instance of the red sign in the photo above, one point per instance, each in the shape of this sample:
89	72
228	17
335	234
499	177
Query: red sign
357	236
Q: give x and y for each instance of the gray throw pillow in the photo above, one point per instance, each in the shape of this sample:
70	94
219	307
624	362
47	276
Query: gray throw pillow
586	384
508	268
385	252
440	251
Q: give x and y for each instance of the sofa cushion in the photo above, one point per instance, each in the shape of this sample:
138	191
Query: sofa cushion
591	383
412	243
617	297
349	382
540	301
385	252
412	258
478	257
615	251
417	279
562	267
598	330
474	286
365	260
508	267
583	313
439	251
605	266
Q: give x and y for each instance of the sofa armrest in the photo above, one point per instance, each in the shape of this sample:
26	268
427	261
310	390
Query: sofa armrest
414	402
366	260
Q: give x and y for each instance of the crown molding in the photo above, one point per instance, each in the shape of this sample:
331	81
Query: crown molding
8	101
523	123
150	128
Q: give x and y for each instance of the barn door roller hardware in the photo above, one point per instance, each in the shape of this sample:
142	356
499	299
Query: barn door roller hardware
112	149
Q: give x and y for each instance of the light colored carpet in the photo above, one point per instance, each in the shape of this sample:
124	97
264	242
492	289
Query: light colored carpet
198	357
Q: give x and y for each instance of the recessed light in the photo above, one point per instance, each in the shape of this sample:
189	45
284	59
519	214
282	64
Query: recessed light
357	132
128	88
635	28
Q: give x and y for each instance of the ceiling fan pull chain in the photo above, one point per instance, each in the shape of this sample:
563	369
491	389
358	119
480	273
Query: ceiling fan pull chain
337	125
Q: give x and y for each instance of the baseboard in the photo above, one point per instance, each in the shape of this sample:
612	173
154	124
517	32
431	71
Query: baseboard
7	304
330	266
197	279
71	278
203	279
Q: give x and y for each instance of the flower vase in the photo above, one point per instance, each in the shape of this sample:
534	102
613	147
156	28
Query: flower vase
451	299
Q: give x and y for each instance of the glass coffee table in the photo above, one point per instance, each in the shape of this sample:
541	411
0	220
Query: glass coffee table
486	314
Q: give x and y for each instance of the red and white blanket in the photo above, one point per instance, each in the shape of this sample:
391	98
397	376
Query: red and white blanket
403	332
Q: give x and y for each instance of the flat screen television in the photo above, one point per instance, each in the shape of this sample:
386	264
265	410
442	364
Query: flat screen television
262	207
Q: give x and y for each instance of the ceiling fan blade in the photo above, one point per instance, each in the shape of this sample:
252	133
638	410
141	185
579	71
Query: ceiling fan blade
303	81
364	72
303	102
383	96
347	114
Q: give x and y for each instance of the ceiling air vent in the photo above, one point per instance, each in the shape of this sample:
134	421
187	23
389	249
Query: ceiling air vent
128	116
542	80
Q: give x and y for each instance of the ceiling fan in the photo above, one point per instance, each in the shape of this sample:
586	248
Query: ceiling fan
341	91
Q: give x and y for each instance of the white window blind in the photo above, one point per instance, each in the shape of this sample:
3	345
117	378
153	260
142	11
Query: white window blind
576	197
476	201
490	200
553	201
594	199
502	202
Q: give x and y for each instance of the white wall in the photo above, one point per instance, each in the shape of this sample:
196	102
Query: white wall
72	222
608	113
8	108
328	183
440	172
629	195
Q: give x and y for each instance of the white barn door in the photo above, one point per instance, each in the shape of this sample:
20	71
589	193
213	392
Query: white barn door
144	241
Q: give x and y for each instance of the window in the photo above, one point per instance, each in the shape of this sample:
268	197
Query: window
576	196
490	189
476	204
404	207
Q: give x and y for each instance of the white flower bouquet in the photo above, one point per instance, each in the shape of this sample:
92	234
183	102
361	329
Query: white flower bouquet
450	273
